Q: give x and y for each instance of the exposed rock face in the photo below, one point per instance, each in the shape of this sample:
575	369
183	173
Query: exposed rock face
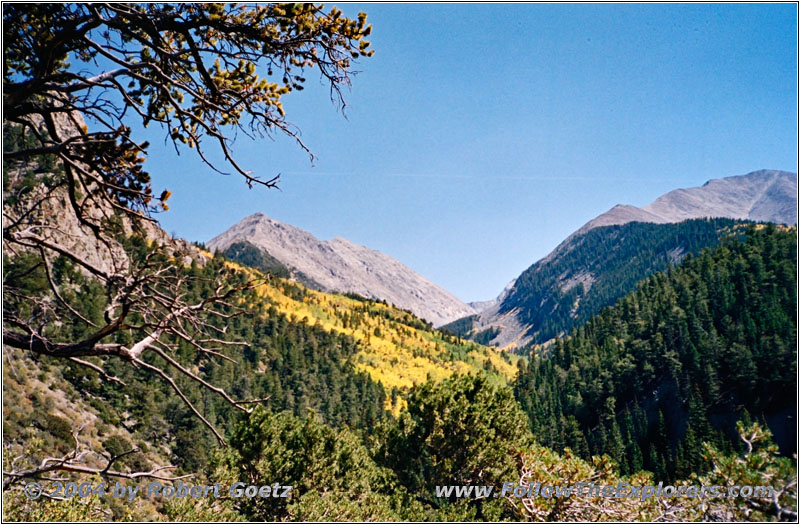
511	330
766	195
49	213
340	265
480	306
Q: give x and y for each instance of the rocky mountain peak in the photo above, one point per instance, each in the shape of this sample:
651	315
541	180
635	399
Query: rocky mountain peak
763	195
344	266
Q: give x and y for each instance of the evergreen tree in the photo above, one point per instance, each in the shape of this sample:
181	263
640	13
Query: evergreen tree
707	338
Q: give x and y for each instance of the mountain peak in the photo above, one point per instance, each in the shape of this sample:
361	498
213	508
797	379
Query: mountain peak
343	266
763	195
342	240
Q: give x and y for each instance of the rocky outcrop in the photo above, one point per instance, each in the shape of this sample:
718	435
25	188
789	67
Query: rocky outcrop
47	212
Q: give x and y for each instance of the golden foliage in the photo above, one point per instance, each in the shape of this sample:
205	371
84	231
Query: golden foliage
397	351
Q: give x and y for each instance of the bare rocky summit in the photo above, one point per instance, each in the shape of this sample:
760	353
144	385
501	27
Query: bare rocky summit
765	195
342	266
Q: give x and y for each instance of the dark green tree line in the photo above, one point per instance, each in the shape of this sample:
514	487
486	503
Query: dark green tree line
600	266
676	362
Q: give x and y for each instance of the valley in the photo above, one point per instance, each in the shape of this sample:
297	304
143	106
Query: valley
654	346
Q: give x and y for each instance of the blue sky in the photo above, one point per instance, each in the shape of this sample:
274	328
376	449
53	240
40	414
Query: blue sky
480	135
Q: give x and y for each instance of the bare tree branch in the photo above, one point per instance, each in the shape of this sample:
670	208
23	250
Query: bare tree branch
74	462
200	72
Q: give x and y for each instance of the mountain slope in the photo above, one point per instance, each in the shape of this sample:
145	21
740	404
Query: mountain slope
592	270
519	317
765	196
342	266
678	361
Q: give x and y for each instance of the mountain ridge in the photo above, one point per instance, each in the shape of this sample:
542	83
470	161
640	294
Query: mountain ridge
726	197
763	195
343	266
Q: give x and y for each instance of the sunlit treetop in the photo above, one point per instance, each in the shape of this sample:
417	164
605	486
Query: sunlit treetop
193	68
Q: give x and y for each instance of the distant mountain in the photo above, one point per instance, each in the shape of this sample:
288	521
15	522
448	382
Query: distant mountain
587	272
340	265
764	196
481	306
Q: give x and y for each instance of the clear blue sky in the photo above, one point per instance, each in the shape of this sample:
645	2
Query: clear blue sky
479	136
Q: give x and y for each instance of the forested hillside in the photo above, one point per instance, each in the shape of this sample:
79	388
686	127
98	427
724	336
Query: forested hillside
365	409
249	255
595	270
676	362
131	356
347	358
585	274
